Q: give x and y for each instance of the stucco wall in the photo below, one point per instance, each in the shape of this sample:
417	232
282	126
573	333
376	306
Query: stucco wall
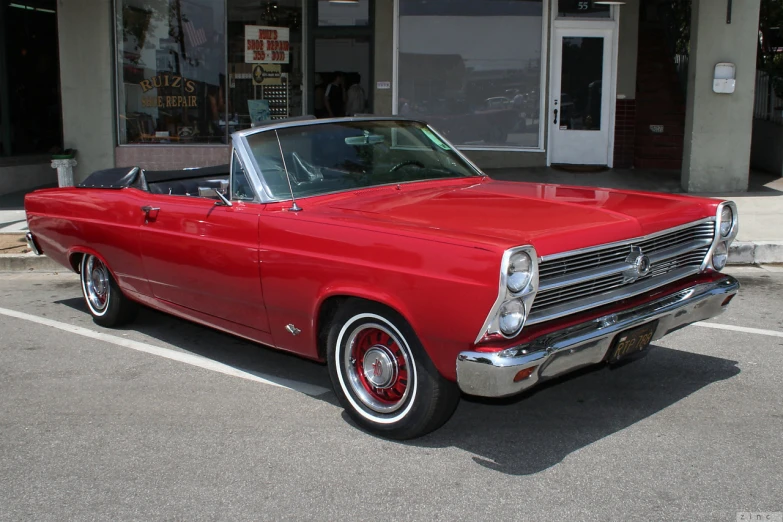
718	127
87	87
766	151
27	176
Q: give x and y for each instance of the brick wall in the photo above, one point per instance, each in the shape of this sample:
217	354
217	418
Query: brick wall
660	104
624	134
156	157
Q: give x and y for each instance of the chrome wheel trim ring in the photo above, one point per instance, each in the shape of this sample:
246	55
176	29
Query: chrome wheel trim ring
341	363
96	285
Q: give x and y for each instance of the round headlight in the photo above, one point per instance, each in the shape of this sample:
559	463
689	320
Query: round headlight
512	315
726	217
720	256
519	272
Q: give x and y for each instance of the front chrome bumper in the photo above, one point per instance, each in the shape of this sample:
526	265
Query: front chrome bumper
31	243
588	343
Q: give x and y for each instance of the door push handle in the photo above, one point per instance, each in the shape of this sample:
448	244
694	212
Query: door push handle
147	209
555	116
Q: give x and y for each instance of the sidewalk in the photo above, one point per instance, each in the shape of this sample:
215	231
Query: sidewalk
760	238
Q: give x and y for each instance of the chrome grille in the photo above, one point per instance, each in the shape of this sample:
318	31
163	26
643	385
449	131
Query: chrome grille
616	254
573	282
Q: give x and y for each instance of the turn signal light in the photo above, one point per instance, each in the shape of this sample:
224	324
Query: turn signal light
524	374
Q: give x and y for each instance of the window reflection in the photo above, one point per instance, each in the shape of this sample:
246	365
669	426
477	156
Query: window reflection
473	69
264	61
171	70
580	83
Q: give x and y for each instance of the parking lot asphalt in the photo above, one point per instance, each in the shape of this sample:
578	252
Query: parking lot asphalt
167	420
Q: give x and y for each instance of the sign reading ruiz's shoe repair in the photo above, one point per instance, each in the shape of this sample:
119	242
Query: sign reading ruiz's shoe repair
265	44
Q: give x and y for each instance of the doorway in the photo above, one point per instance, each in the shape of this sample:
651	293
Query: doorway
342	41
581	86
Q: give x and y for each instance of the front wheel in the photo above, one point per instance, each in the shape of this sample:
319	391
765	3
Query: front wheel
107	304
382	375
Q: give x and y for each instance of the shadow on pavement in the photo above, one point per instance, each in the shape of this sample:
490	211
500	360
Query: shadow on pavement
517	436
535	431
221	347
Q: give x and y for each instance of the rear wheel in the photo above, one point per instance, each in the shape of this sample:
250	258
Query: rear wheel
107	304
382	375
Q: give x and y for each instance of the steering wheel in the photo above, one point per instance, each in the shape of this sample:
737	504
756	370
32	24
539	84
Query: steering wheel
405	163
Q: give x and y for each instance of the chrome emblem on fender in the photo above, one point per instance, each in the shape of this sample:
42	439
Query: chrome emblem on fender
640	265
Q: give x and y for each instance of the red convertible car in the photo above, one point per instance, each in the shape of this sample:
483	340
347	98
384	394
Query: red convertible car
373	245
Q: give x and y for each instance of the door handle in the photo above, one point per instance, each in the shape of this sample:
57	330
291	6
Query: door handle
147	209
555	116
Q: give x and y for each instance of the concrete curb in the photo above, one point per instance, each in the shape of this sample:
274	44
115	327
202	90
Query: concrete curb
740	253
755	252
28	263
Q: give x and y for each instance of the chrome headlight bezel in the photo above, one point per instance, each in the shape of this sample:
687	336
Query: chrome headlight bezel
719	238
525	296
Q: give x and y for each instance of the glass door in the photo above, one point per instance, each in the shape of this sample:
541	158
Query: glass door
340	62
579	110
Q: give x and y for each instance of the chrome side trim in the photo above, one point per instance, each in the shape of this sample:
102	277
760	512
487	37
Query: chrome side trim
587	343
624	242
31	243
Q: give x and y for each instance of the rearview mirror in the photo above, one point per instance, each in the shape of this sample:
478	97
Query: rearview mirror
367	139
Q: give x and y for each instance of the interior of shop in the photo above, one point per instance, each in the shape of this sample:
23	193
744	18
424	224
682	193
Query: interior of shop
194	71
30	114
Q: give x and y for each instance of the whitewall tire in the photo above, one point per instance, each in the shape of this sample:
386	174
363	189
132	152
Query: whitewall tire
382	375
105	301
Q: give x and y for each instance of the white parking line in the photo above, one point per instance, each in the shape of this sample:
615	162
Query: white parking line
187	358
759	331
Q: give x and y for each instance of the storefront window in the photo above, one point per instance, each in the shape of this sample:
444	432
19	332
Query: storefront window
171	71
343	13
473	69
265	70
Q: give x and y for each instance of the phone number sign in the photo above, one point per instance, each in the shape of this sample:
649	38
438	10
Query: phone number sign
265	44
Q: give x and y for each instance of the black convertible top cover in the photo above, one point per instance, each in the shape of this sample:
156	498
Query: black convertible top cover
117	178
156	176
123	177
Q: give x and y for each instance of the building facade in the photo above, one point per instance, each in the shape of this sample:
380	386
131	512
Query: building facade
513	83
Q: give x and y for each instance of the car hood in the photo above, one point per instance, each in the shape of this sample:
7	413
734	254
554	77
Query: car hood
553	218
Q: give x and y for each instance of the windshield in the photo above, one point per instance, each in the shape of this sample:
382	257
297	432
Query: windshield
329	157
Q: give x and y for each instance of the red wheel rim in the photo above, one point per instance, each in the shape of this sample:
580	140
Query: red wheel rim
378	365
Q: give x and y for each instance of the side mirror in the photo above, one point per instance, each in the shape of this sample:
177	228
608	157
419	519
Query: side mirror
224	201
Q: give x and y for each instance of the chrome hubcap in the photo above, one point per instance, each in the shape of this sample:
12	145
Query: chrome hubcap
378	367
96	284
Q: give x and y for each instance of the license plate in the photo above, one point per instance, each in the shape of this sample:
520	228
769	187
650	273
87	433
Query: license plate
632	341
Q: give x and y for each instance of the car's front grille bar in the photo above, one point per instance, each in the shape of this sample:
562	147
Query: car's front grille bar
576	281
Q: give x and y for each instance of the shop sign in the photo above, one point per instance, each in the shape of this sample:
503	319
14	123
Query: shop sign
170	81
268	74
265	44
